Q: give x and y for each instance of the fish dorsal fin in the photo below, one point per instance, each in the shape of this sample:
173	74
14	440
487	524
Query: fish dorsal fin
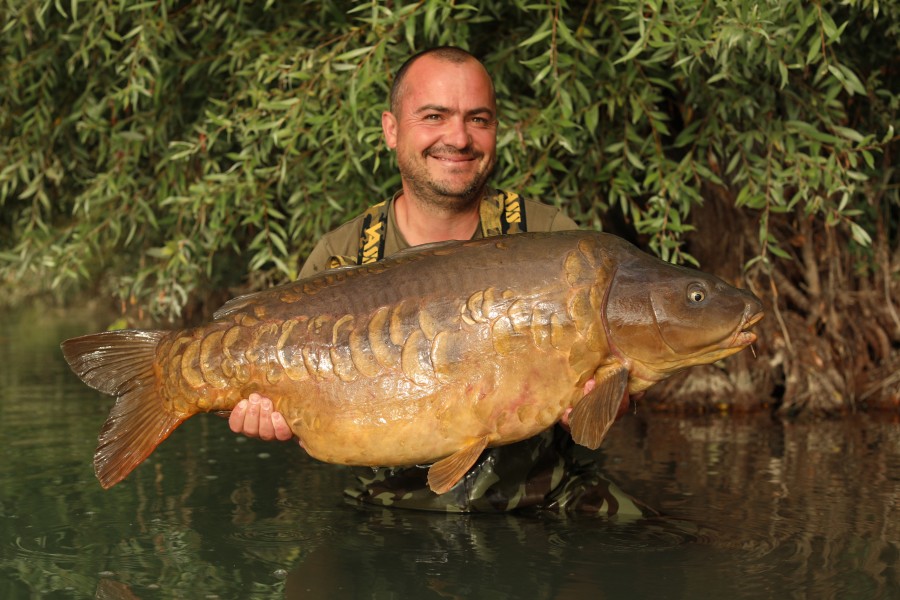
445	473
234	305
596	412
240	303
430	246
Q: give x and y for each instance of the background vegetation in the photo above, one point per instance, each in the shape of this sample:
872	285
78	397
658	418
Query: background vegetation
166	154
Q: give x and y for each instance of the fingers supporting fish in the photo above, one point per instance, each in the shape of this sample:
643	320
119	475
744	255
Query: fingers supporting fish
256	417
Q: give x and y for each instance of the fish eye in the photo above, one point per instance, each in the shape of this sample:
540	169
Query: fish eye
696	294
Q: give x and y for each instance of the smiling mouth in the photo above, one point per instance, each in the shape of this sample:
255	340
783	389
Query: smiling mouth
451	154
451	159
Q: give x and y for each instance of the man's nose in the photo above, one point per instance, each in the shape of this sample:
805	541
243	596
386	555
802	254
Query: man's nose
457	133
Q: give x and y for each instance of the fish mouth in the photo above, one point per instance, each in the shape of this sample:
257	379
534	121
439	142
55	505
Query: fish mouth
743	336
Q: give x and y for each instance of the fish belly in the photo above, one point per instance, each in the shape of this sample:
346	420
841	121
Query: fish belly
506	400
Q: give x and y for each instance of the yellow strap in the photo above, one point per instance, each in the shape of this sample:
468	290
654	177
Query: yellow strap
340	261
491	215
504	213
513	212
372	235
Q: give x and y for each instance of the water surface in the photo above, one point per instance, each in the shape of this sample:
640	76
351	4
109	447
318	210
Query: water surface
755	508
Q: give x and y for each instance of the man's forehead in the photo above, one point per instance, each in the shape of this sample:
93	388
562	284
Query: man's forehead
433	82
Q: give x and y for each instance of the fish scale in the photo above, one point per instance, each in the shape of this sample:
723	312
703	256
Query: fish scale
428	356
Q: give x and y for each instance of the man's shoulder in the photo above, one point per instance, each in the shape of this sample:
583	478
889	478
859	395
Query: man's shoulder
342	241
346	235
546	217
538	207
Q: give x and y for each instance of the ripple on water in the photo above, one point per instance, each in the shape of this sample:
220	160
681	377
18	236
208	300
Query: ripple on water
276	533
656	534
55	543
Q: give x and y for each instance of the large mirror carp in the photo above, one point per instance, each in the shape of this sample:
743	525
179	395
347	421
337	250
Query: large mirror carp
431	355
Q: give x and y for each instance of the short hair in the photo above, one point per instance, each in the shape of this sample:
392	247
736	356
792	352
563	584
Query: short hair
448	53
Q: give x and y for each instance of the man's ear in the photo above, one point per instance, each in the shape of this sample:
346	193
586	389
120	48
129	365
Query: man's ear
389	128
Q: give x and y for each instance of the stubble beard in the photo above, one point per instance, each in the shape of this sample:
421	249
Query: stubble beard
439	194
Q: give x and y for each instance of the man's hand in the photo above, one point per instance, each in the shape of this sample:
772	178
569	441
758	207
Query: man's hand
256	417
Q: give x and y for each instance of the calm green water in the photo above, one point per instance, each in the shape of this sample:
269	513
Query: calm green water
758	509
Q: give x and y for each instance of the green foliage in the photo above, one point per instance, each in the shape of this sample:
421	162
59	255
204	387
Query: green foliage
165	149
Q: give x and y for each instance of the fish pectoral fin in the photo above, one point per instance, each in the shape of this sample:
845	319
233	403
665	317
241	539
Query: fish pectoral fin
596	412
445	473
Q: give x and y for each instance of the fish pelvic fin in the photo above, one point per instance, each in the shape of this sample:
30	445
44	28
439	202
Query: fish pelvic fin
447	472
596	412
121	363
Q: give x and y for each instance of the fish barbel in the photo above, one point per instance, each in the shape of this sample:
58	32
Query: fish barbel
431	355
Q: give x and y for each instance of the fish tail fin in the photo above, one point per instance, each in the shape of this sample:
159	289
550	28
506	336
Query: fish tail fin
121	363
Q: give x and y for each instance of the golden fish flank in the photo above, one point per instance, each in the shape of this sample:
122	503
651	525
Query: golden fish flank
423	358
392	338
288	349
386	353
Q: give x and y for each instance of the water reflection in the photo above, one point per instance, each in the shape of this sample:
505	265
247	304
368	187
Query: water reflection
812	504
755	509
414	555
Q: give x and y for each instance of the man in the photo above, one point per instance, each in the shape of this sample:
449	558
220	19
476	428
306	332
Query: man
442	123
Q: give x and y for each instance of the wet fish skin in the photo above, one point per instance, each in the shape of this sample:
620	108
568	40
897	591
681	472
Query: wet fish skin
434	354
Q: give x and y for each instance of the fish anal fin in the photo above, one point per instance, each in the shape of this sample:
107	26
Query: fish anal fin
137	424
596	412
445	473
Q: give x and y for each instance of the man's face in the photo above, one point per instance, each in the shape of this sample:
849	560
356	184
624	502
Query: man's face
444	131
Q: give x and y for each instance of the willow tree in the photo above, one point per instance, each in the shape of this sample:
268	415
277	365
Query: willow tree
167	153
